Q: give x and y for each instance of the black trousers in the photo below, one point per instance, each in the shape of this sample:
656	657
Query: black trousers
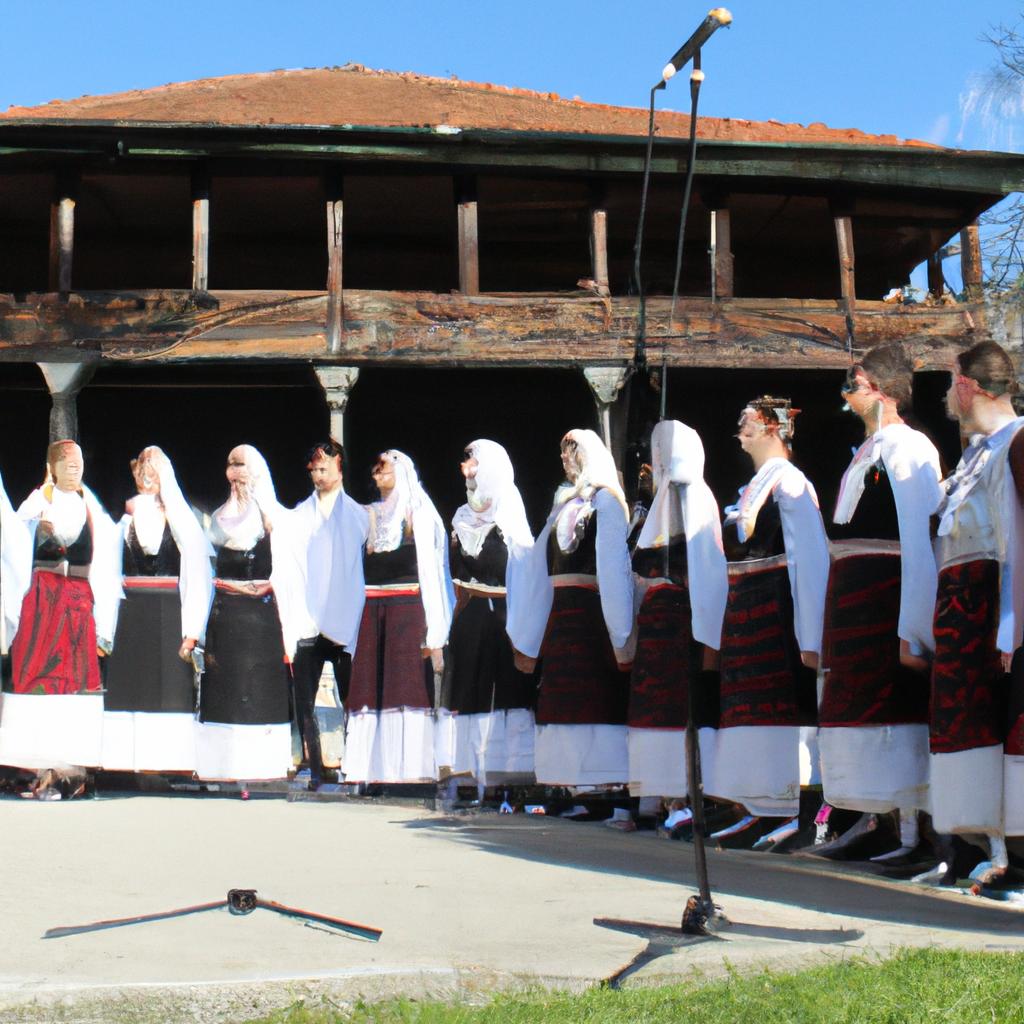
311	655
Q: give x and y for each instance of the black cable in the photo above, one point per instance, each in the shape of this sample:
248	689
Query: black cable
640	350
695	81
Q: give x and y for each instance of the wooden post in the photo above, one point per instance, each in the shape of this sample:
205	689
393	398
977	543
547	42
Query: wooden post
936	282
200	230
62	237
970	262
599	250
721	253
335	295
469	250
847	275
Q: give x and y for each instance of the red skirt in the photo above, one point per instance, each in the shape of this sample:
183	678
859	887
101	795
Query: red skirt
969	687
664	666
580	683
389	670
54	650
762	679
865	683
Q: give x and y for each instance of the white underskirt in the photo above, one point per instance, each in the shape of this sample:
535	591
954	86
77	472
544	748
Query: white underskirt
967	791
149	741
1013	794
759	766
581	755
657	760
395	746
45	730
243	752
875	768
492	745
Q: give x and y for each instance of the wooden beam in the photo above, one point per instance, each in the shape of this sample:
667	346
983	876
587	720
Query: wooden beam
936	281
844	246
200	230
599	250
469	247
62	242
721	253
970	262
429	329
335	295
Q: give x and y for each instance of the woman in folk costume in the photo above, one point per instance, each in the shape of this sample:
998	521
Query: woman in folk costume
873	731
771	638
149	721
576	612
488	730
244	731
977	692
390	735
68	612
682	584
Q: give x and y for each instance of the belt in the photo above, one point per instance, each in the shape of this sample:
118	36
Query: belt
63	568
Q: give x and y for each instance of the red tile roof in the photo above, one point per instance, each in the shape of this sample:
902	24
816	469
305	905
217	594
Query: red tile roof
355	95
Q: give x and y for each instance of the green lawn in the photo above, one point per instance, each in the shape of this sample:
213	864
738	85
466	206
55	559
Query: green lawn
927	986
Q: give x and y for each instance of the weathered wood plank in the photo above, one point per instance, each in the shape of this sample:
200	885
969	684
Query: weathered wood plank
428	329
62	242
970	261
599	249
721	253
468	232
200	230
335	295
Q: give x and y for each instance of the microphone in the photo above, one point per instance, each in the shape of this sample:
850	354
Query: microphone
715	20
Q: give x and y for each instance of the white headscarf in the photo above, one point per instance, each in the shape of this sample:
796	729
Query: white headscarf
572	499
492	500
409	502
238	523
195	581
683	504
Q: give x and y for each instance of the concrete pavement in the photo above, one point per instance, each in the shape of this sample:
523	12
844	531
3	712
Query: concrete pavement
467	904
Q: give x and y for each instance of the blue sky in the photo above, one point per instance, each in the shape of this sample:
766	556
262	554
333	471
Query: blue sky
908	67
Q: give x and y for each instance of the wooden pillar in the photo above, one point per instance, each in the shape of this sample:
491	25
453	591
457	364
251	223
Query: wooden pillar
847	274
64	381
335	296
599	249
970	262
936	281
469	250
62	235
200	230
337	382
721	254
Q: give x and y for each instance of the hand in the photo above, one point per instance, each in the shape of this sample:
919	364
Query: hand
913	661
523	662
809	659
711	660
188	645
624	666
1007	659
436	656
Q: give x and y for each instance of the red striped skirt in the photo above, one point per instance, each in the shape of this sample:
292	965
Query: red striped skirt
865	683
762	679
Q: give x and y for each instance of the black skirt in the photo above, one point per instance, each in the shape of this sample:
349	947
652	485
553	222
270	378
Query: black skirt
144	672
480	675
246	679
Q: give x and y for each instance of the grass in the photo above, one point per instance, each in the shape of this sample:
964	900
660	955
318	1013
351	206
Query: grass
929	986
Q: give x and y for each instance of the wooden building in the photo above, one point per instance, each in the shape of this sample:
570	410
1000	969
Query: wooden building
204	263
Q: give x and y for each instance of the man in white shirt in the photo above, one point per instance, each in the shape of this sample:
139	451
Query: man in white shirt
329	550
